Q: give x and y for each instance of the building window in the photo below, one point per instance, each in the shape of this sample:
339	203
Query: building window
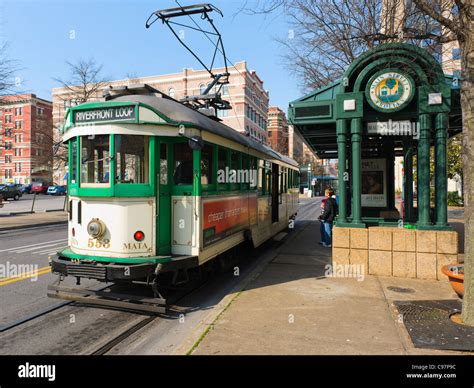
18	111
222	113
202	88
18	124
456	54
225	90
171	92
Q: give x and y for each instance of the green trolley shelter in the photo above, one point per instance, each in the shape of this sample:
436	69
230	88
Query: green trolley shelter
394	100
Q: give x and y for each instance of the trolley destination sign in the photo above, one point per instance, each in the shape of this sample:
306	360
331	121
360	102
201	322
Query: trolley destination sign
115	113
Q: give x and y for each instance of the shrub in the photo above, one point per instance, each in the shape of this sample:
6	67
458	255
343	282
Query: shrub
454	199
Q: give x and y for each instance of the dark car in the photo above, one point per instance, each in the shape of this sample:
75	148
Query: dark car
26	189
39	187
8	192
57	190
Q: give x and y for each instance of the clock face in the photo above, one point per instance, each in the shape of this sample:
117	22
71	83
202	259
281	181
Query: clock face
389	91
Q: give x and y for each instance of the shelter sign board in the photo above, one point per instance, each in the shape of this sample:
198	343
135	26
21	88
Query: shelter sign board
374	182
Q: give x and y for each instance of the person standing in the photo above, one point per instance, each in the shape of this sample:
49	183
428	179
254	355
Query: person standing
321	223
328	216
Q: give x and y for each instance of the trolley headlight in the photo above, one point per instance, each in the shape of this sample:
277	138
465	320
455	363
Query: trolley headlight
96	228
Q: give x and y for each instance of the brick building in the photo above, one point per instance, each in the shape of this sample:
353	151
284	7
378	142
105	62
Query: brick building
278	130
245	92
26	139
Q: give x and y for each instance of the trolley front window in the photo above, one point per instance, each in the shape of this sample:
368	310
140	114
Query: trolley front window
132	158
95	160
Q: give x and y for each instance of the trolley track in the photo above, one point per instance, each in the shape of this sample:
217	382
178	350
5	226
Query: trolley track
305	212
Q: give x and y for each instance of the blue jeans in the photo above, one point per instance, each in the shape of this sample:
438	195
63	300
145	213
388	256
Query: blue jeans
321	230
327	232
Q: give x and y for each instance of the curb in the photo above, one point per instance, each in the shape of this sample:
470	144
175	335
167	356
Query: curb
192	341
16	227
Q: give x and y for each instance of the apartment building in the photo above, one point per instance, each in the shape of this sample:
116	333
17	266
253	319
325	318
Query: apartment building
26	139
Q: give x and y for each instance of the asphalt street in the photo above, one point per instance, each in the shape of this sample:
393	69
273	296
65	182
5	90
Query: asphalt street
25	251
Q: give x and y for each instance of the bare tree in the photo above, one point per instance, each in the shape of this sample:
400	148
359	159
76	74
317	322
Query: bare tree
326	36
84	83
8	69
329	34
8	82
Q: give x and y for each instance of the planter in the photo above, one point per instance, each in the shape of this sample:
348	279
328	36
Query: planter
455	274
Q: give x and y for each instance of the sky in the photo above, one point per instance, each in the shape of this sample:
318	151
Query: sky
43	34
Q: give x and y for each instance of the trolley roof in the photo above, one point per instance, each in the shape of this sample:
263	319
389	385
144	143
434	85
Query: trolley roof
174	113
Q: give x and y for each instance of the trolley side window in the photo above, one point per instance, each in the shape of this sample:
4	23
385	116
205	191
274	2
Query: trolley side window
221	167
183	164
73	161
132	159
95	160
261	177
234	167
207	165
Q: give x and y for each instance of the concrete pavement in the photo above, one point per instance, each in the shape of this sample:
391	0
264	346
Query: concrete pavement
292	307
20	221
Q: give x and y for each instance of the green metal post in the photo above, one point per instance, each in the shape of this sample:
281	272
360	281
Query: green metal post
441	186
408	180
356	132
341	126
423	171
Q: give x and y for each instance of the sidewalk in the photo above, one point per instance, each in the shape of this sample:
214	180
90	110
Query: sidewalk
290	307
19	221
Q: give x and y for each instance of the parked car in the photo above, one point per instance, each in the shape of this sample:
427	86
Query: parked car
8	192
26	189
39	187
57	190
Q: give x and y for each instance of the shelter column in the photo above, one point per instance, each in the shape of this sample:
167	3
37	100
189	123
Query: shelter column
423	170
341	128
356	137
408	180
441	185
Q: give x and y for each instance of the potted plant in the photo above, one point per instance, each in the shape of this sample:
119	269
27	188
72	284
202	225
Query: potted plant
455	274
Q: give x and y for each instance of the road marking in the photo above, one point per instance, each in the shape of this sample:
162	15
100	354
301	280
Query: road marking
26	275
41	247
33	245
48	251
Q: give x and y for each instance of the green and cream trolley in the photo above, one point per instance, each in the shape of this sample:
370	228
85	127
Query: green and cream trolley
155	186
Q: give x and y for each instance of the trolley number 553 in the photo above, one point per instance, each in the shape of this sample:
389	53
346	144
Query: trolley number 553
96	243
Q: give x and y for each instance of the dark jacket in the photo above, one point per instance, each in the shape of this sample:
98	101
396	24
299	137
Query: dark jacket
330	210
